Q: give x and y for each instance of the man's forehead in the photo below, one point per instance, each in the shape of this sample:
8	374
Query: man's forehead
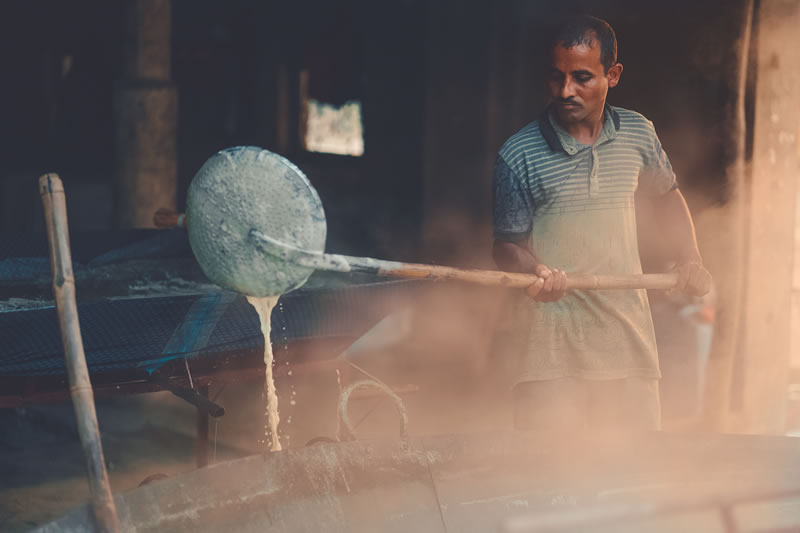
585	54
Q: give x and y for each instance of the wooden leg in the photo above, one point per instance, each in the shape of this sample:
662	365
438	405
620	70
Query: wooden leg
201	442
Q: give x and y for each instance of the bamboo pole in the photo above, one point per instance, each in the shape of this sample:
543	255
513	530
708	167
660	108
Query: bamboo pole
55	212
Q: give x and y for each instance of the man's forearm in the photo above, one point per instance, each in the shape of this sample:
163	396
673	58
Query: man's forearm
514	256
679	230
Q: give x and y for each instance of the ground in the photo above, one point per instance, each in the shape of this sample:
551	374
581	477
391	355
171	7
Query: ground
42	468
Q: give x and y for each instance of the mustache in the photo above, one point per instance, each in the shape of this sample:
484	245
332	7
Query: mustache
567	101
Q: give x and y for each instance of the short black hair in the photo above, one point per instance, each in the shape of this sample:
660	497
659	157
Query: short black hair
586	29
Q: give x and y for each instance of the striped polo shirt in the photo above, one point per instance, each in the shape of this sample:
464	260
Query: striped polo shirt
575	205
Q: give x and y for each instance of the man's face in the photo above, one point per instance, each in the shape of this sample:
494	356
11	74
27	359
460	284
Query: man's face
578	84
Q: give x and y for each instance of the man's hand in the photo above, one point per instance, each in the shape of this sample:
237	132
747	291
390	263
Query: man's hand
693	279
551	285
518	257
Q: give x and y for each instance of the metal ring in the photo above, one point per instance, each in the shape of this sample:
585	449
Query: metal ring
346	430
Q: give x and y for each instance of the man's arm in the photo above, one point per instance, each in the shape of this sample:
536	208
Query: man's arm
514	256
512	212
674	216
517	256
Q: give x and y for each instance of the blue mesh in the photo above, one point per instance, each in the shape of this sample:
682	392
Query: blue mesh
129	333
24	268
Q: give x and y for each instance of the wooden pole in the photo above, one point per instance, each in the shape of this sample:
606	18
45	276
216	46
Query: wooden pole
201	442
489	278
55	211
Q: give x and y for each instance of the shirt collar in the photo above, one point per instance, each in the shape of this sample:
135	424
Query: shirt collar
560	141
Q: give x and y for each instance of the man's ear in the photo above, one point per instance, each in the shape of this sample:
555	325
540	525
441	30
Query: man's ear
613	74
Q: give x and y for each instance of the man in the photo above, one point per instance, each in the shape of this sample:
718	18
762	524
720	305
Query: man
564	202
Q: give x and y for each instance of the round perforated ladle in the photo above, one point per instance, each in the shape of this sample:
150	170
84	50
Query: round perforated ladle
256	226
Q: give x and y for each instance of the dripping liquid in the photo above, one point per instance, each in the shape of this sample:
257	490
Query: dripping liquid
263	307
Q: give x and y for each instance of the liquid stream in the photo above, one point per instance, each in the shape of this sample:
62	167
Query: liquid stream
263	307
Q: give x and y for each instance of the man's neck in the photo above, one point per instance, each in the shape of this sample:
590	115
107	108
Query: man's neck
586	131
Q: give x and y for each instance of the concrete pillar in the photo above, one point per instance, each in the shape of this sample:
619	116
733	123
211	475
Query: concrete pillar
146	115
771	232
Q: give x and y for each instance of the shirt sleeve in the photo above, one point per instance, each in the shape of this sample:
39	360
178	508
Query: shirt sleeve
512	205
656	177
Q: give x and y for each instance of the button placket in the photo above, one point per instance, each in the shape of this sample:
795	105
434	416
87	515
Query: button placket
594	182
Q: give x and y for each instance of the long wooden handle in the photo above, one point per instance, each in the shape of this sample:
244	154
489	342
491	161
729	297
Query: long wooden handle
494	278
55	213
490	278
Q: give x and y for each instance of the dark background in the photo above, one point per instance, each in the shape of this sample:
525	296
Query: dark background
442	85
